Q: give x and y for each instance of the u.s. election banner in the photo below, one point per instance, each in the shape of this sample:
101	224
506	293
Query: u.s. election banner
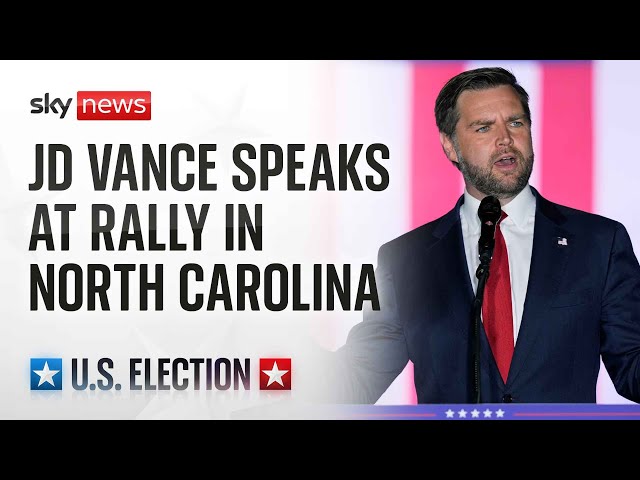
187	239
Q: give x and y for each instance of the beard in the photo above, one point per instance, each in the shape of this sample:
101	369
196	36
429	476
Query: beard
489	183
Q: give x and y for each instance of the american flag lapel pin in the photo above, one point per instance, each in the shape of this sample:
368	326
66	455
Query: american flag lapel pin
562	241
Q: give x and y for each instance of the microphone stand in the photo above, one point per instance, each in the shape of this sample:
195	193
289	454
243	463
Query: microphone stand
482	273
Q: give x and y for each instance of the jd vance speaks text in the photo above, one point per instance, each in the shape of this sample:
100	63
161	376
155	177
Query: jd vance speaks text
183	167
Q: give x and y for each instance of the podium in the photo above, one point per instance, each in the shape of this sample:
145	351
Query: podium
493	412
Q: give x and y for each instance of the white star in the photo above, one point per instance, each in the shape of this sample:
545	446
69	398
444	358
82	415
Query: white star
500	413
275	375
46	375
449	413
487	413
475	413
462	413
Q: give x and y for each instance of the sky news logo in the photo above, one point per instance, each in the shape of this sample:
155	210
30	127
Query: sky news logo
97	105
163	374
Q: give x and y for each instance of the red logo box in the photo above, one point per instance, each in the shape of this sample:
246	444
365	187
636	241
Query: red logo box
114	105
275	374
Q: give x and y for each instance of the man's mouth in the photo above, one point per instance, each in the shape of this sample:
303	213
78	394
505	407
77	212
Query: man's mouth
505	161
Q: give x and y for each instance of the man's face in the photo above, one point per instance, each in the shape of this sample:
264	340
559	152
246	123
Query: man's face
492	144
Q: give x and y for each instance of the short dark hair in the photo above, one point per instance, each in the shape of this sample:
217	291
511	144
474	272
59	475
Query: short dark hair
447	114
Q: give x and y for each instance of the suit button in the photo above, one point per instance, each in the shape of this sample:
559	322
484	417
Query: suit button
507	398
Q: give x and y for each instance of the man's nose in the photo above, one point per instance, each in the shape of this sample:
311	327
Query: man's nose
504	138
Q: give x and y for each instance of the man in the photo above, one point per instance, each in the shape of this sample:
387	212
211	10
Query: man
563	285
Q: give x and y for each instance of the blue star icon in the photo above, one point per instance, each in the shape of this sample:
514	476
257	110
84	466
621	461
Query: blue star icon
46	374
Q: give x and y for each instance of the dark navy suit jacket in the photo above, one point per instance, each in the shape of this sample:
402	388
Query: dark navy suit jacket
582	301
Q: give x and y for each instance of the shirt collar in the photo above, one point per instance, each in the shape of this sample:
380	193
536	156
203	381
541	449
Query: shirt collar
520	209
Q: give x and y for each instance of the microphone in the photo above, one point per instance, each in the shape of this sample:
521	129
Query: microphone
489	213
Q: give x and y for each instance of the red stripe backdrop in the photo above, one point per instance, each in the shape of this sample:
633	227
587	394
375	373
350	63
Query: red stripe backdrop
435	183
567	110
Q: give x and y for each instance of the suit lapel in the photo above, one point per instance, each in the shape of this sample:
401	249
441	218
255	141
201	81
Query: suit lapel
551	249
447	257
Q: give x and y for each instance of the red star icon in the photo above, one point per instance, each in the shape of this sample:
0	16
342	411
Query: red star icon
275	374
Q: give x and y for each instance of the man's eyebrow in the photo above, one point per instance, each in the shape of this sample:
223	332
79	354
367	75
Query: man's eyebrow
517	116
482	122
511	118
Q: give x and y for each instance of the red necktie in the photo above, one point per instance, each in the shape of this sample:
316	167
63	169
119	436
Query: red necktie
496	306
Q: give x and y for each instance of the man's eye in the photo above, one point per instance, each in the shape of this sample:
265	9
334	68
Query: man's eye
517	123
483	129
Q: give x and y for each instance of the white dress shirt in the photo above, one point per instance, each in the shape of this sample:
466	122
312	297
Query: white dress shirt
517	230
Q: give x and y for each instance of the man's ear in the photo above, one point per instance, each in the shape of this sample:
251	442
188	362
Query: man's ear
447	146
